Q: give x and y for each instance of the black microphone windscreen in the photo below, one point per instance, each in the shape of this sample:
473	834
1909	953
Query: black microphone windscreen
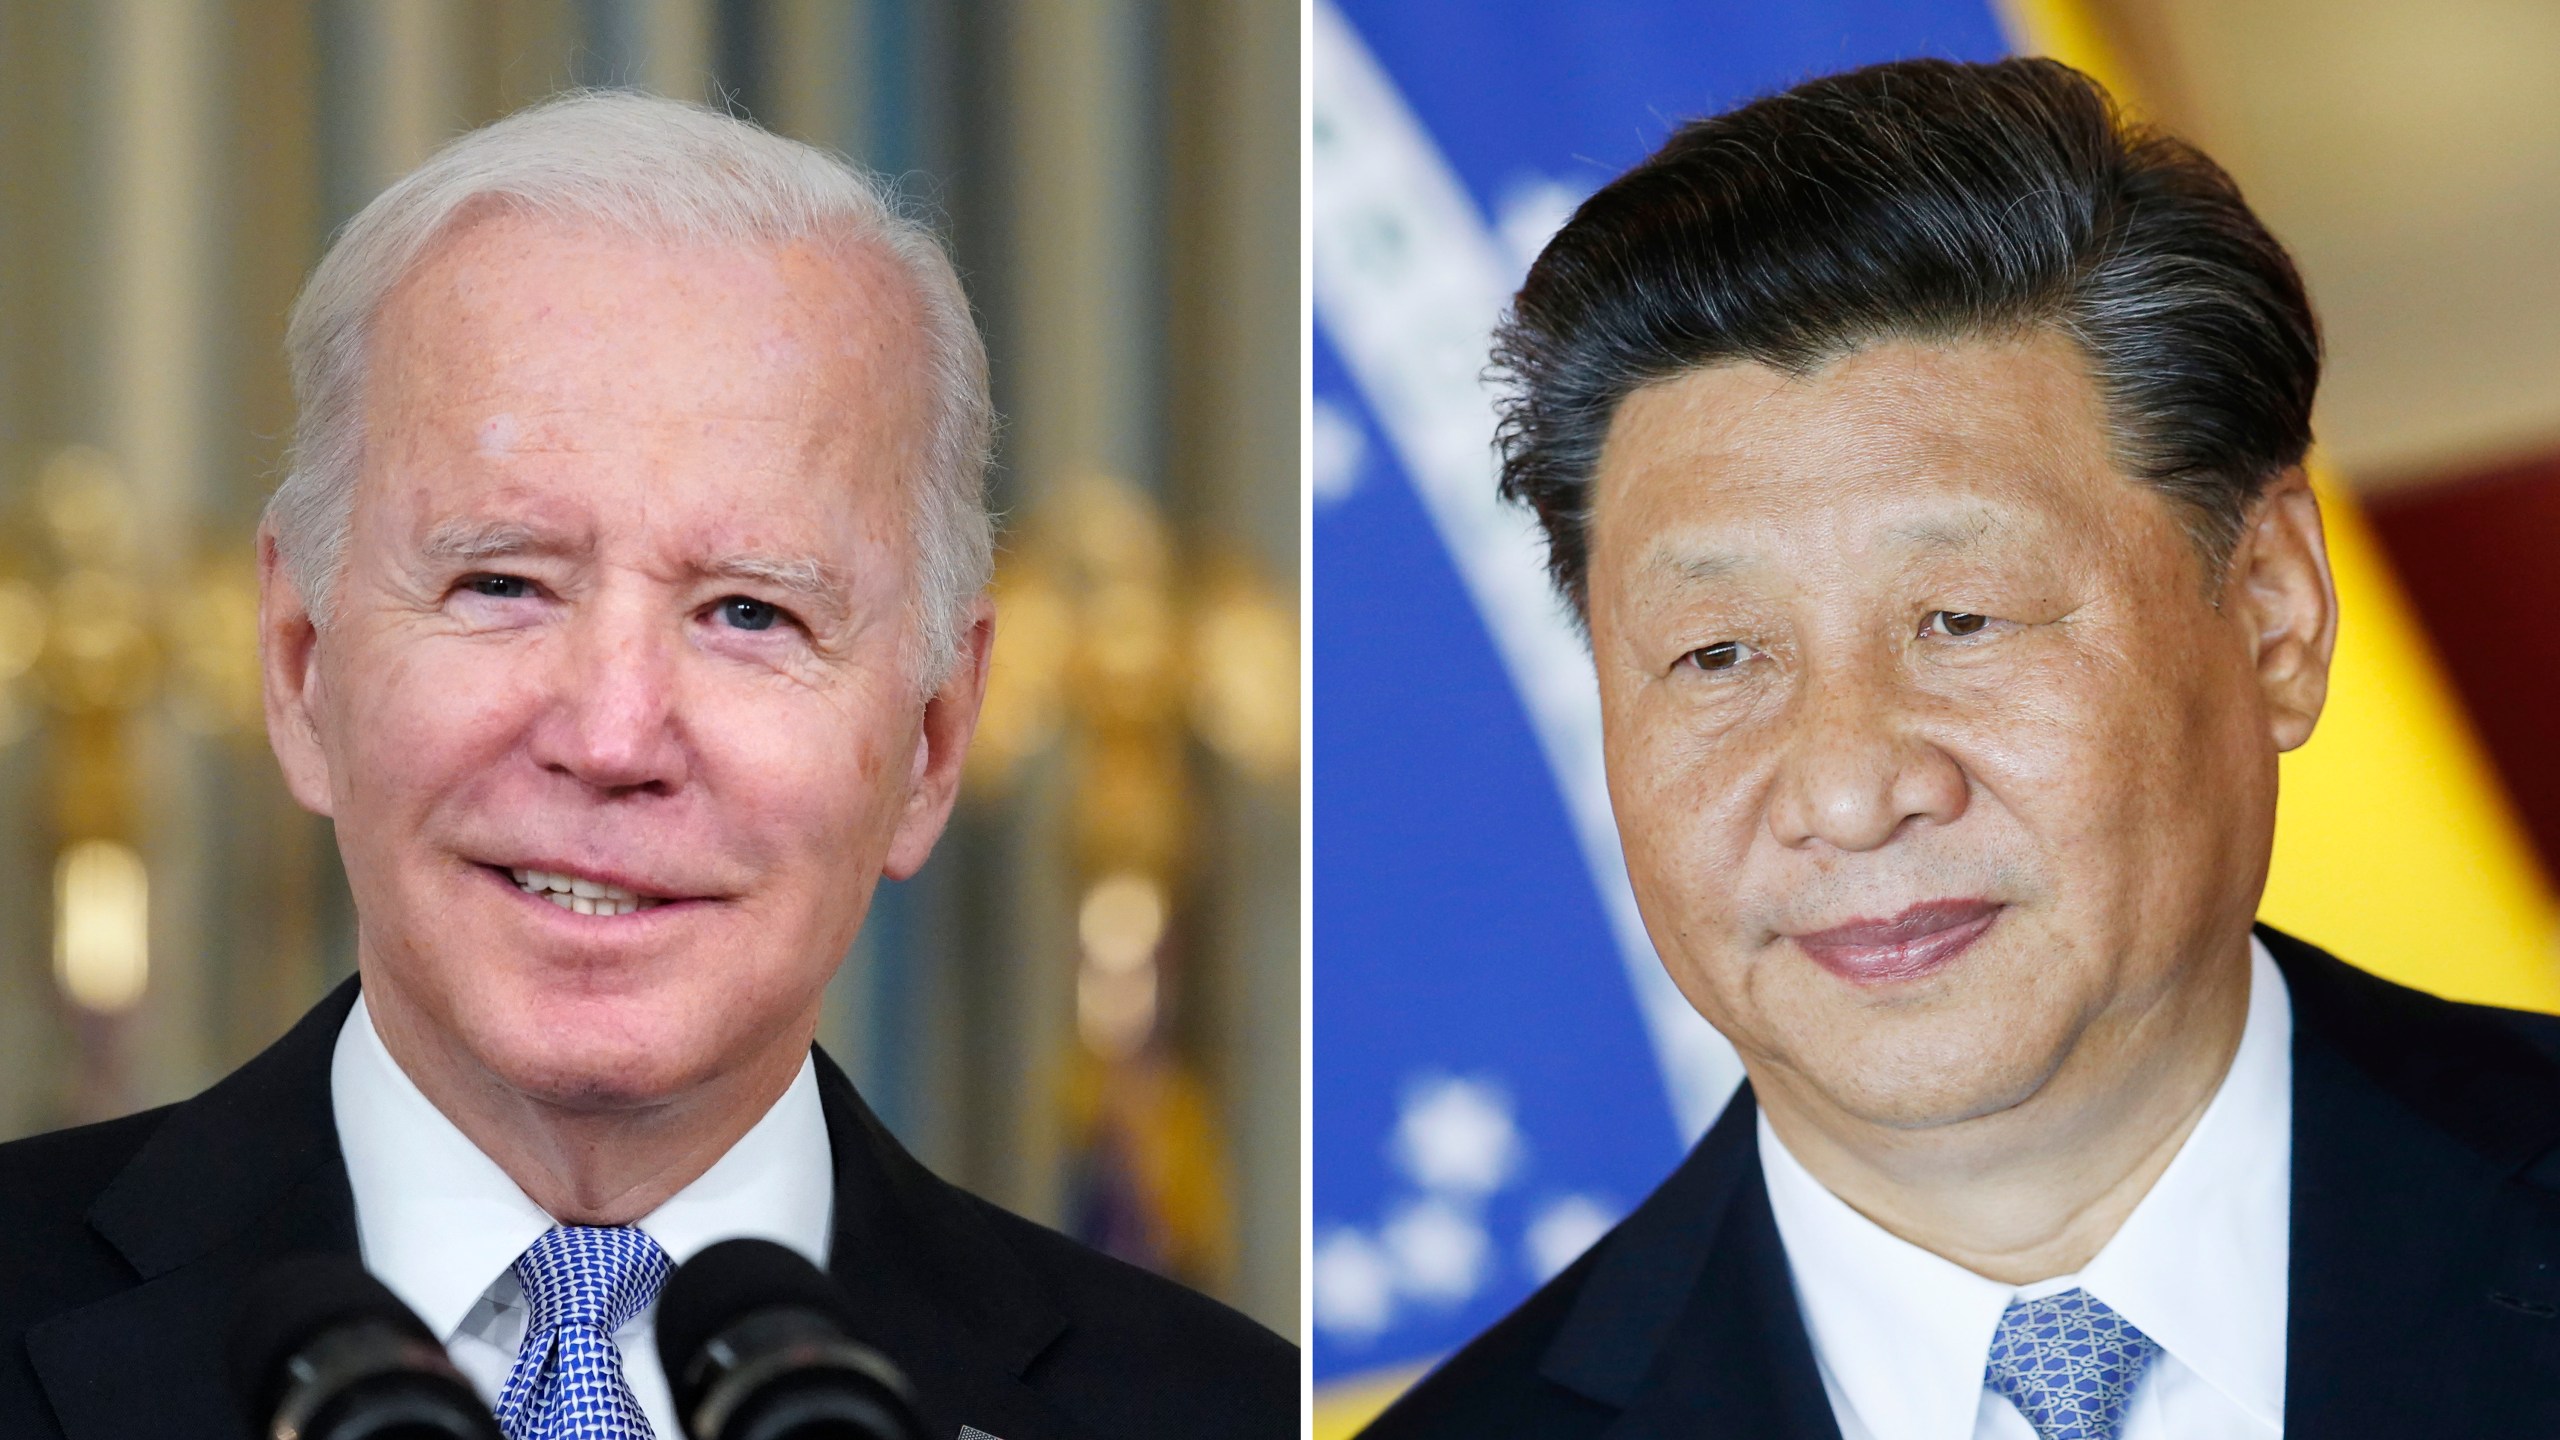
290	1304
725	1282
758	1344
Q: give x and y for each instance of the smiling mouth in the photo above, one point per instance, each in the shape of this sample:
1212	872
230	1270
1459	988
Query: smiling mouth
582	896
1919	941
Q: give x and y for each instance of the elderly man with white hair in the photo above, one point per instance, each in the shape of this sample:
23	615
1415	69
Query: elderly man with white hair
623	609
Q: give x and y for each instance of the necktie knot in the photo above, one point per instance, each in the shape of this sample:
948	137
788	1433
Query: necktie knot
581	1284
2069	1363
593	1276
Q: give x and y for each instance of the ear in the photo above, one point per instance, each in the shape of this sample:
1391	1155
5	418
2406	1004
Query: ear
2279	590
942	745
288	659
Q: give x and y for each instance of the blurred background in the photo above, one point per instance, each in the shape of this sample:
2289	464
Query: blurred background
1501	1070
1086	1007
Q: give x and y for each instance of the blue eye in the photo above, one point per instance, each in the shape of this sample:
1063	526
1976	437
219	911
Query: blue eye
745	614
501	587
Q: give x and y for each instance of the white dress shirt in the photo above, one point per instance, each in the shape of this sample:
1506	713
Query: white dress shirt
442	1225
1901	1335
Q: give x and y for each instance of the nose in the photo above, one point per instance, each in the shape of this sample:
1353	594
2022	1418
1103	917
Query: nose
1857	765
611	723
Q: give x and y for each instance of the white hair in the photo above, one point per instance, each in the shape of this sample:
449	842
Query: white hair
657	168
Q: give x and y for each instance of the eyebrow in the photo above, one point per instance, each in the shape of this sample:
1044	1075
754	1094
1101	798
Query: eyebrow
1698	566
819	589
810	579
465	542
1964	530
472	542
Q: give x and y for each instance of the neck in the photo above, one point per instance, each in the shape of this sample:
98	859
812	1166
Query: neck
2036	1189
589	1165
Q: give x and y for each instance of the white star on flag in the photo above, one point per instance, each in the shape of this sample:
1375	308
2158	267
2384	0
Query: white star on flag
1455	1137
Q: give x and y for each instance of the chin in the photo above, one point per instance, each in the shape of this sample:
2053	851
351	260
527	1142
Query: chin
593	1077
597	1082
1931	1076
605	1055
1934	1103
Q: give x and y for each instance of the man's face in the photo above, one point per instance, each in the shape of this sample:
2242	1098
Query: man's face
626	604
1936	755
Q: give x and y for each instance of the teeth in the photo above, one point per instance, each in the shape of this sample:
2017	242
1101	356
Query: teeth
580	895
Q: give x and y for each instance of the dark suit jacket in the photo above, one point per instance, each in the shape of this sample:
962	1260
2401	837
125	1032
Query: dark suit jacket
2425	1266
123	1247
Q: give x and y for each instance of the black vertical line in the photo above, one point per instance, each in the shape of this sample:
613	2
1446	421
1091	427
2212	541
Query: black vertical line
741	76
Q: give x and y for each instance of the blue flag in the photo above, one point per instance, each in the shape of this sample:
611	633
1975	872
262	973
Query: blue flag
1502	1069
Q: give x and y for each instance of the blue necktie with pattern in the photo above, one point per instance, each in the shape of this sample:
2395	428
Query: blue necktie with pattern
581	1283
2069	1364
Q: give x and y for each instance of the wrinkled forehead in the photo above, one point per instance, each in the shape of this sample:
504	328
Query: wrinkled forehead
509	317
1922	440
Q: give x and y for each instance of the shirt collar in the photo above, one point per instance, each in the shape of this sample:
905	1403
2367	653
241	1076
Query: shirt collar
1899	1333
2199	1266
439	1222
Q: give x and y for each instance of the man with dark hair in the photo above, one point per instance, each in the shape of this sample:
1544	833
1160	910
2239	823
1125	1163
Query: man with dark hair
1921	450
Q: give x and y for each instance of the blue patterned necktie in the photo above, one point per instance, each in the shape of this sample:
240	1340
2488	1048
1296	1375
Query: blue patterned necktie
2069	1364
581	1283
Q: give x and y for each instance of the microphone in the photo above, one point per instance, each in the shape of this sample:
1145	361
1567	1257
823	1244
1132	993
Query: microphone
758	1345
323	1351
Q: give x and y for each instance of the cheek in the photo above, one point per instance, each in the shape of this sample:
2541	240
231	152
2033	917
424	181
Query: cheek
417	719
2126	725
2045	744
1687	795
811	771
2114	766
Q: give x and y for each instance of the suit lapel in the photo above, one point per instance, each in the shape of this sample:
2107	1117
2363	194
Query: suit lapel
1688	1322
240	1176
250	1172
2423	1261
2424	1295
2424	1299
933	1285
1758	1377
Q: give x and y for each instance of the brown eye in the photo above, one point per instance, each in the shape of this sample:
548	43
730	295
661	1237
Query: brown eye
1722	656
1957	623
501	587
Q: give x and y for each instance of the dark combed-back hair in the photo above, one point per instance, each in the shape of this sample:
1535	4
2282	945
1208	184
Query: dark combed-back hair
1921	199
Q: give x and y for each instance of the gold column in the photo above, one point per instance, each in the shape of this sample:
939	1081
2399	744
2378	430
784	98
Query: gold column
1143	723
664	46
1078	251
402	86
675	46
818	85
154	411
266	937
1232	386
43	79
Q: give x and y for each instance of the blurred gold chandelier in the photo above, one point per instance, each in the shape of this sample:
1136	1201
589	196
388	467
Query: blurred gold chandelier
1111	655
89	640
